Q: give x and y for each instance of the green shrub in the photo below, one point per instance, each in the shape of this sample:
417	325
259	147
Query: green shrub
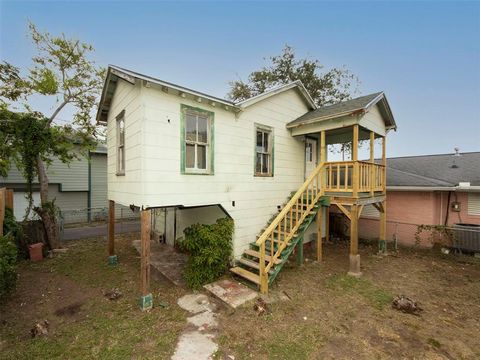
12	227
210	250
8	260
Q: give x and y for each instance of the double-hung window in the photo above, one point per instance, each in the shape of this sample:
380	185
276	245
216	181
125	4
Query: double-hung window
263	151
198	147
121	144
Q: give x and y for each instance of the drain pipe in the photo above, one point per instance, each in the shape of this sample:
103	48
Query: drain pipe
448	208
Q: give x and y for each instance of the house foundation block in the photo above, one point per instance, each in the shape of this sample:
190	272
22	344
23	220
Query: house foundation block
113	260
355	266
146	302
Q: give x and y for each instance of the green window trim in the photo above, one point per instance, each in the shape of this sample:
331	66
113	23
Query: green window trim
184	109
268	129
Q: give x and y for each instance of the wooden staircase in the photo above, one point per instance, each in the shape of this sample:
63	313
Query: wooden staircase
261	263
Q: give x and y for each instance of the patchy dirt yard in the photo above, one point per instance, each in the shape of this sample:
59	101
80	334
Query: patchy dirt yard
69	292
324	315
334	316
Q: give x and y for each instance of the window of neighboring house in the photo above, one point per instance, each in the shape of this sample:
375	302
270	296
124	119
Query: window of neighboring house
198	147
473	203
121	144
263	151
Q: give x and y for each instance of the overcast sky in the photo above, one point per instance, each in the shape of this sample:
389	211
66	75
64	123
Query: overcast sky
424	55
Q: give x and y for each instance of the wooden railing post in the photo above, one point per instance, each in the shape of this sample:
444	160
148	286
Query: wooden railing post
263	274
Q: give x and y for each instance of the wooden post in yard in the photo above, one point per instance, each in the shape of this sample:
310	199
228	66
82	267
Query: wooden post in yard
112	257
354	256
146	301
2	209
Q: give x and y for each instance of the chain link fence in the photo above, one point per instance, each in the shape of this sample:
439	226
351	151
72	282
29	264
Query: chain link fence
462	237
81	223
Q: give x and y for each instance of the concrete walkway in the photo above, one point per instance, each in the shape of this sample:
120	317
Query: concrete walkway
99	230
198	340
166	260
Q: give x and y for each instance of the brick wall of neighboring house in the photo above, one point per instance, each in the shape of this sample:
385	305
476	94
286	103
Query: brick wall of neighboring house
408	209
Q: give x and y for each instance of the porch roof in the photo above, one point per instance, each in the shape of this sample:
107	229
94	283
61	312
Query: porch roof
355	106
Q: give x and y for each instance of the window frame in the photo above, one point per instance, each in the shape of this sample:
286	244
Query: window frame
120	145
209	152
270	152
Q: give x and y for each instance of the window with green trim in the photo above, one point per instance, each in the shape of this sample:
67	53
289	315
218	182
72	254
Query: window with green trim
263	151
197	140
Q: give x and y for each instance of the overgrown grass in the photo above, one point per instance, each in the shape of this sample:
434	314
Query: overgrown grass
373	294
103	329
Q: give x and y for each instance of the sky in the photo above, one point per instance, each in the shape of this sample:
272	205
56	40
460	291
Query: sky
424	55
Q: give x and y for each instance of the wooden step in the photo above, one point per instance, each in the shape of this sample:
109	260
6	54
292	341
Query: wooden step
256	254
252	264
246	274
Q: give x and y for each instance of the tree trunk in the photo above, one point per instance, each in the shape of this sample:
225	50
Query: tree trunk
45	211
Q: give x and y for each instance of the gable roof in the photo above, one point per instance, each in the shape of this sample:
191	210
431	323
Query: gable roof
442	170
115	72
279	89
349	107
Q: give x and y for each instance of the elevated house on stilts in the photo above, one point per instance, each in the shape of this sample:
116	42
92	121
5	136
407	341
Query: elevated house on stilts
263	162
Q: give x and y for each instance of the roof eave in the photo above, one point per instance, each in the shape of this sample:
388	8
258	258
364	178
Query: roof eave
325	117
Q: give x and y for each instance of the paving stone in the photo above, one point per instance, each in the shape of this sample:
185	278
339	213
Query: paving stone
231	292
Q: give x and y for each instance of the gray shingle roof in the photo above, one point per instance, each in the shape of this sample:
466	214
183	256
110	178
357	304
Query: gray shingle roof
444	170
342	108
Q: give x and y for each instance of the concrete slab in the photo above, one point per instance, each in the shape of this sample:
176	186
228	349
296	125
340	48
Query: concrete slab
197	344
195	303
194	345
233	293
167	261
205	321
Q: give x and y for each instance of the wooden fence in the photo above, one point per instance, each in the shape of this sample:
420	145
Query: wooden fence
6	202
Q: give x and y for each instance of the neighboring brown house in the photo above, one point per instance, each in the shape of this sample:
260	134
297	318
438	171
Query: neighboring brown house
431	190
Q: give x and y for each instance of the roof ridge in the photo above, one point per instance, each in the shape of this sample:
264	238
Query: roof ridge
428	155
421	176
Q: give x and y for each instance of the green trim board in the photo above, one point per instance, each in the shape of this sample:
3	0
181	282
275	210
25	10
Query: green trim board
211	146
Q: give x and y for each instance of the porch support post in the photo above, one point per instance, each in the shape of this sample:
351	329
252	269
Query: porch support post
384	163
354	256
372	160
327	224
320	220
112	257
300	251
355	178
146	301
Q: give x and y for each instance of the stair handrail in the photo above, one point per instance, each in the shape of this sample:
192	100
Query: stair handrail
264	269
289	205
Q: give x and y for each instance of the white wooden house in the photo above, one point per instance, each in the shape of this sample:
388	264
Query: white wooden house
177	148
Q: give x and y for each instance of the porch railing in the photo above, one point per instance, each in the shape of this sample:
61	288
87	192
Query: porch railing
354	177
